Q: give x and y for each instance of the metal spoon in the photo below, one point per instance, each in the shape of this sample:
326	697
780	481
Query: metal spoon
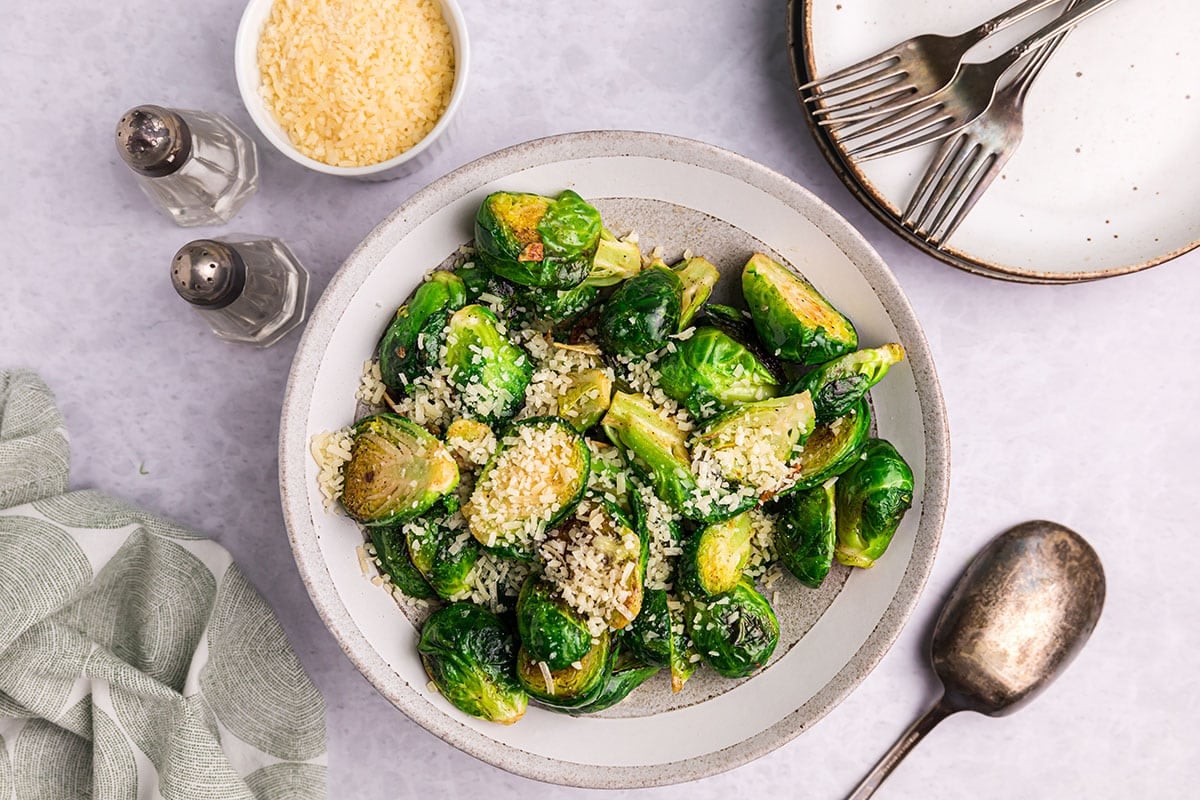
1023	609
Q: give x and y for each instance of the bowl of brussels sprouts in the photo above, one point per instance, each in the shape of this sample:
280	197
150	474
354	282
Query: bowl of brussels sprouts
614	459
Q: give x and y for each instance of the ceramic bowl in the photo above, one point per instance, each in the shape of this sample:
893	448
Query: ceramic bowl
246	69
678	194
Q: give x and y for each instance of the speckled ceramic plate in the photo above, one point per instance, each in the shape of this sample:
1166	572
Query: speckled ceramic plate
1105	181
675	193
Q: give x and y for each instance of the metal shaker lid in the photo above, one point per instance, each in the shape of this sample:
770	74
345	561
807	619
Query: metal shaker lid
208	273
154	141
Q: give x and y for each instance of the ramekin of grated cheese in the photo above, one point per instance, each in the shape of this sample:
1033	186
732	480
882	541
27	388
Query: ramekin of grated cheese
364	89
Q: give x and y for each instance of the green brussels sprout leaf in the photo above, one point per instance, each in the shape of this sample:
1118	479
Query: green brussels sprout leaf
412	343
549	629
806	533
736	633
391	553
698	276
710	371
837	386
489	371
642	313
585	398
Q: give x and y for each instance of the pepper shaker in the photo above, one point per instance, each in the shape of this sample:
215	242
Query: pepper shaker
198	168
249	289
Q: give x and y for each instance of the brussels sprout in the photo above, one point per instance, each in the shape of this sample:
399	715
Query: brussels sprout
653	444
642	313
396	471
489	371
714	557
412	343
792	318
538	241
833	447
471	442
736	633
837	386
600	536
550	630
484	286
391	552
656	449
535	478
627	674
872	497
710	371
806	532
698	276
468	655
585	398
570	687
615	261
445	557
752	444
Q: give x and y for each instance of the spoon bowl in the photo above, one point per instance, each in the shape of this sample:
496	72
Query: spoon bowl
1016	618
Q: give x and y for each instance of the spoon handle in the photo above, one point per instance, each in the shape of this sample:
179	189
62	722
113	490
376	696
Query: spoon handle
907	741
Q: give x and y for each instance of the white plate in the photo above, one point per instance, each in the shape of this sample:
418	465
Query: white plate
719	198
1106	180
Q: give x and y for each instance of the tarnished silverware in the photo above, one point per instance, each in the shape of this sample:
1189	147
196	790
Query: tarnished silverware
1019	614
938	113
968	161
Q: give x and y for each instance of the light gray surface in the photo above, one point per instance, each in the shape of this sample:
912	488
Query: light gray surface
1070	403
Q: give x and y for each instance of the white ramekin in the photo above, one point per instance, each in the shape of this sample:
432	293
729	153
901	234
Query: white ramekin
246	69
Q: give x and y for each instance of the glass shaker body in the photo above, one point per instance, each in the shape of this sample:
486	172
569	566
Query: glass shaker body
215	173
273	287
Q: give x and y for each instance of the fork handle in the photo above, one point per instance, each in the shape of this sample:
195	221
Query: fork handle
1069	19
1010	17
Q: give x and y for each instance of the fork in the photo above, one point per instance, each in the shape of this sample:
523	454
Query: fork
945	111
968	162
888	80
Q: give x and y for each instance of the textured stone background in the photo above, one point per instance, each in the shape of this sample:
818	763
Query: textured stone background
1074	403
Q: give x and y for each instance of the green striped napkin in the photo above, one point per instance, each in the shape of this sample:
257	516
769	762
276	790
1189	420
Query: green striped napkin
136	661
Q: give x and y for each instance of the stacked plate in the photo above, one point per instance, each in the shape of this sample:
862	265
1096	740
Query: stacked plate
1105	182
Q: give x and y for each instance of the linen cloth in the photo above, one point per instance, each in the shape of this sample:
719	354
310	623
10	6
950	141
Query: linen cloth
136	662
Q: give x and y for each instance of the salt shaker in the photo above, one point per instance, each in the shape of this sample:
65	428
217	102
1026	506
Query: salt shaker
249	289
196	167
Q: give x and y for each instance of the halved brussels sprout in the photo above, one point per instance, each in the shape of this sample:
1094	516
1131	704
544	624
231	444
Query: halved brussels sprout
792	318
806	533
444	557
837	386
616	260
490	372
550	630
715	556
396	471
698	276
572	686
538	241
642	313
736	633
391	553
872	497
469	656
709	372
535	478
412	343
754	443
833	447
598	553
585	398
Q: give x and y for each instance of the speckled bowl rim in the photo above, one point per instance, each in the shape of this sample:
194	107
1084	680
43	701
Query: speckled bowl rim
799	34
325	318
